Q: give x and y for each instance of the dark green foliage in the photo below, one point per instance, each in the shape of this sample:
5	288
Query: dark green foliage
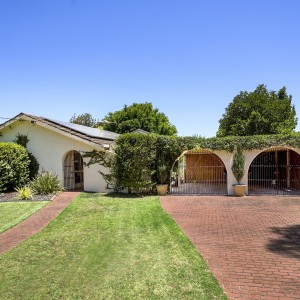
139	116
162	174
138	157
134	162
14	162
85	119
46	183
33	166
237	168
21	139
259	112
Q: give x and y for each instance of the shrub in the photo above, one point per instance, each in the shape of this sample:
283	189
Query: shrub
238	168
24	193
46	183
21	140
14	162
134	161
162	174
33	166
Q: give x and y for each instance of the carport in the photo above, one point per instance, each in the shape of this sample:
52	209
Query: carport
275	171
199	172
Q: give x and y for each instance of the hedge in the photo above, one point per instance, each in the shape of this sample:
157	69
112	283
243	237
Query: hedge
14	162
137	156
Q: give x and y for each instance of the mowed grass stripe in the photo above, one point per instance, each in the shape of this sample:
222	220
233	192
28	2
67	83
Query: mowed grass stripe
12	213
105	247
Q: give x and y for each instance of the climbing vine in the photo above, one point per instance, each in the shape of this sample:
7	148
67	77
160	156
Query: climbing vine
137	157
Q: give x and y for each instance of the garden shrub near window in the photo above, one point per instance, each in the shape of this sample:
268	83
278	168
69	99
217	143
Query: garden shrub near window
14	166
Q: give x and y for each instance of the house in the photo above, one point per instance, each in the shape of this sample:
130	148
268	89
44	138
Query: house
59	146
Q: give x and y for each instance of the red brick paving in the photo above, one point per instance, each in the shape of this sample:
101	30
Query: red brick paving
36	222
251	244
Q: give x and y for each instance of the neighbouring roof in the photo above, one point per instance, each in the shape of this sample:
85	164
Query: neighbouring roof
95	135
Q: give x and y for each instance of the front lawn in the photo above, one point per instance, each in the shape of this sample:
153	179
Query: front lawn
12	213
104	247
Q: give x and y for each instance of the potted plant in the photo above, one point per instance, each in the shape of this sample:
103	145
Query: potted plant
238	170
162	178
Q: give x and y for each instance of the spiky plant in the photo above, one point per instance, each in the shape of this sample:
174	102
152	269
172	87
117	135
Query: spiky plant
24	193
46	183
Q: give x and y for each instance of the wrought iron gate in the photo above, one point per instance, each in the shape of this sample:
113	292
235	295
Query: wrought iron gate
199	172
275	171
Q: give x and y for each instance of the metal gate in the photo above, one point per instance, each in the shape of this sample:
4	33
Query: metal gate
199	172
276	172
73	171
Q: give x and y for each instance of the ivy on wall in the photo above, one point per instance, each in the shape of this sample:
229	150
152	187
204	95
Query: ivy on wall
258	142
136	159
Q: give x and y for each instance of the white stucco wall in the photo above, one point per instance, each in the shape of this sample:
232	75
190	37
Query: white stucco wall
250	155
50	149
226	157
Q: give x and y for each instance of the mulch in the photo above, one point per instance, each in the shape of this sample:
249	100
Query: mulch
12	197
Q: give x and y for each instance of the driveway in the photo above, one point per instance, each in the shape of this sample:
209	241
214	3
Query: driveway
251	244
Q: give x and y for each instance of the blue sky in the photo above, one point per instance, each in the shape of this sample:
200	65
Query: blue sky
189	58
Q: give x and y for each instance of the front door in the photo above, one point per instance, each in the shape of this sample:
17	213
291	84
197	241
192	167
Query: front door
73	171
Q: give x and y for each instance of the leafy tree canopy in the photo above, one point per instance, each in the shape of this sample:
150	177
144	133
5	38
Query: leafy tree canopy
85	119
259	112
139	116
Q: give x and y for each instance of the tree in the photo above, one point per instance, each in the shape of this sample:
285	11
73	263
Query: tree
139	116
259	112
85	119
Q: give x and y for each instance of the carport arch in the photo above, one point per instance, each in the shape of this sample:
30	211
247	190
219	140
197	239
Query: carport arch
275	170
199	171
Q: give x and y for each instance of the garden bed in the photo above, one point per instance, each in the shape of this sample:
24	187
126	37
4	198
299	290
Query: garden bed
12	197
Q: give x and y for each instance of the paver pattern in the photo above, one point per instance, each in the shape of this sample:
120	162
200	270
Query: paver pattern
36	222
251	244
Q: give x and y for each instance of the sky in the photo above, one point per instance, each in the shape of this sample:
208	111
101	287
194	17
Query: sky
189	58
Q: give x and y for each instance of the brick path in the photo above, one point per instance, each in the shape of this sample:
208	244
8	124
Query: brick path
36	222
251	244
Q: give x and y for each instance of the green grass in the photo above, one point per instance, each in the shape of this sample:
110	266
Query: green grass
104	247
12	213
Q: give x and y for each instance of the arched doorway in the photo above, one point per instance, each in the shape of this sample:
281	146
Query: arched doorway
73	171
199	172
275	171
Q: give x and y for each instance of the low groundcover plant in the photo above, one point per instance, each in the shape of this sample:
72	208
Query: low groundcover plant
24	193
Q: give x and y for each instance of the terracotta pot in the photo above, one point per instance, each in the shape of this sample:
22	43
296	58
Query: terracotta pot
239	190
162	189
